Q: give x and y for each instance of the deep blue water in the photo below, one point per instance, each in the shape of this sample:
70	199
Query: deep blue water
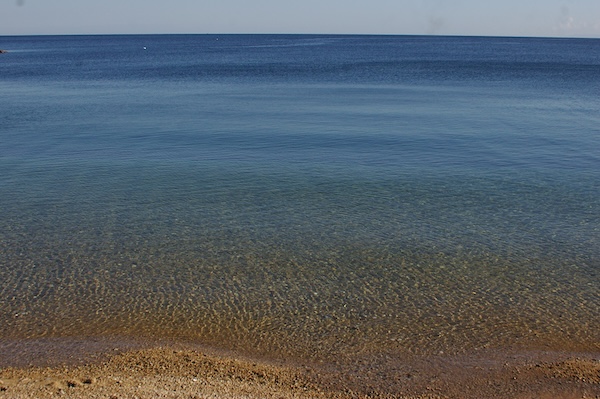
293	193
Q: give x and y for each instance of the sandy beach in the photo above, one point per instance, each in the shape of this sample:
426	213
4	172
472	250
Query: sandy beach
80	369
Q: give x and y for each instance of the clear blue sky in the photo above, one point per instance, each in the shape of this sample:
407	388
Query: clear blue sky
574	18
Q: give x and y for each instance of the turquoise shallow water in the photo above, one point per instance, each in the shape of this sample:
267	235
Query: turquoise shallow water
314	196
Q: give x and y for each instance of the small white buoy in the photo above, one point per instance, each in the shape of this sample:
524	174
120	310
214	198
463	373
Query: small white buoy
144	47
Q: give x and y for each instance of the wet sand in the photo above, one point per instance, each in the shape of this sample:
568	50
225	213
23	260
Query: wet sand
100	368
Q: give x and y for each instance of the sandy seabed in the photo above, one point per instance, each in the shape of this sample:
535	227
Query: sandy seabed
73	368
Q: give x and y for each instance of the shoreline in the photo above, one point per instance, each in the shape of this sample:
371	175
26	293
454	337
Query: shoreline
120	368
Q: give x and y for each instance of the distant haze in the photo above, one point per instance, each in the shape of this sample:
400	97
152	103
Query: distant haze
561	18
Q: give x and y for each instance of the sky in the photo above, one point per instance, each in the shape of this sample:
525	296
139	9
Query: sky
548	18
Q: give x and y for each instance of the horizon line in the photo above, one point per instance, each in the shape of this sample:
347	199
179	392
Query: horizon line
298	34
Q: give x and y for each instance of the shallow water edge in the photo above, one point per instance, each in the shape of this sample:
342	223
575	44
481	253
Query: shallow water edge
82	367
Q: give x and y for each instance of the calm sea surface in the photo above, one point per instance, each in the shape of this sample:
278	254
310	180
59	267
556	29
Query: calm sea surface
308	196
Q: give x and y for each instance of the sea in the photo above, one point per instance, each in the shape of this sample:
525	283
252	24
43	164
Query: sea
316	197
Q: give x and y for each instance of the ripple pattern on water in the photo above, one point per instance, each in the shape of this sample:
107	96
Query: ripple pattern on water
300	298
